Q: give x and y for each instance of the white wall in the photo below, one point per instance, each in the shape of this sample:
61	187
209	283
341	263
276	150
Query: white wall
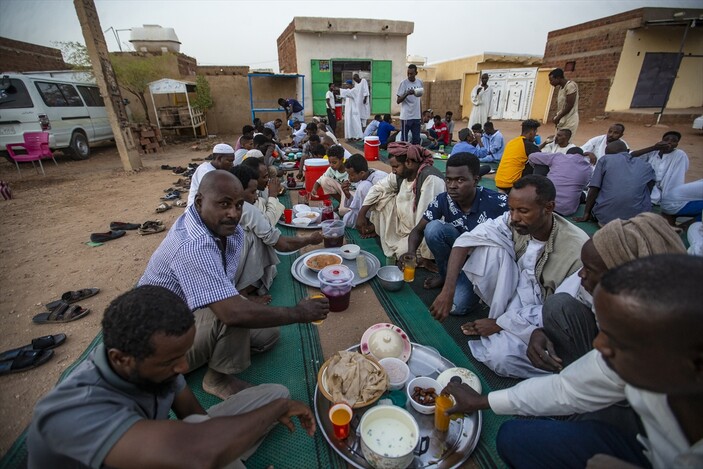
309	46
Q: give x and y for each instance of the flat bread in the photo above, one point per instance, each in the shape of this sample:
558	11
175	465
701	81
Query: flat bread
351	377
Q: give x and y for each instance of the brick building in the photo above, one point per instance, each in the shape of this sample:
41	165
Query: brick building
18	56
631	61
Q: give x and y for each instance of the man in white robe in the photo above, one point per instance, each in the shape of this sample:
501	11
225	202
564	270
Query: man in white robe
398	201
514	262
365	103
268	188
481	97
669	163
594	149
352	120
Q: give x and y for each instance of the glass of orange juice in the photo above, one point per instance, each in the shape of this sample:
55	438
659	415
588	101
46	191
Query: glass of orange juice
441	420
409	264
340	416
317	295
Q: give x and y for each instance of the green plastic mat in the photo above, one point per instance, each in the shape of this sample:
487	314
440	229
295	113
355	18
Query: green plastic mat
407	310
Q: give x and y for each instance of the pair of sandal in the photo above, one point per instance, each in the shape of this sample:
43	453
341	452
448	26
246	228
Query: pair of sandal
163	207
151	227
30	356
61	310
173	195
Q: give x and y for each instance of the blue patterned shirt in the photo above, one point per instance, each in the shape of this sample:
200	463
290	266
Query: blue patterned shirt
487	204
190	263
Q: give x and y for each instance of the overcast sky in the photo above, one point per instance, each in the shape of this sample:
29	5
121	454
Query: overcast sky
238	32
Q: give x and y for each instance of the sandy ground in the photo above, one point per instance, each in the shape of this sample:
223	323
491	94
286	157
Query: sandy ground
43	252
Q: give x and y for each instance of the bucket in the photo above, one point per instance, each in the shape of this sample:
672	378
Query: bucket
314	168
338	111
371	145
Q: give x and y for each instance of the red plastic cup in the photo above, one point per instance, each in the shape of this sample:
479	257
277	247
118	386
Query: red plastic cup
341	415
288	214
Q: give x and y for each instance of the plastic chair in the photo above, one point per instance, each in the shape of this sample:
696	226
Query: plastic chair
36	144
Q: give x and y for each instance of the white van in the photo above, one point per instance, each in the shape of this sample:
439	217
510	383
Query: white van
66	104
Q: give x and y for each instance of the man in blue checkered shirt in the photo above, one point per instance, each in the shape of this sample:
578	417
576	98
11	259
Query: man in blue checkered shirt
198	260
451	213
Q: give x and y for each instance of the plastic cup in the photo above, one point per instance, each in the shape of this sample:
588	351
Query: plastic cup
441	420
288	214
340	416
318	295
409	268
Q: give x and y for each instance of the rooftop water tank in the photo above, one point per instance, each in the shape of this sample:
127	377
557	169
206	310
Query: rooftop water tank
154	38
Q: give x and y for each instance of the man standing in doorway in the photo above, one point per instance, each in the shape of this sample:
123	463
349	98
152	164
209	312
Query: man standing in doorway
352	122
567	116
409	101
365	103
481	97
330	102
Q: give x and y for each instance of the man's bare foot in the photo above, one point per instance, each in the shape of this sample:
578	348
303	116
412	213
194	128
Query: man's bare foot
427	264
222	385
435	281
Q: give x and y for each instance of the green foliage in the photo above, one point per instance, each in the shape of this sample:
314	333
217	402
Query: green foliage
74	53
135	72
203	97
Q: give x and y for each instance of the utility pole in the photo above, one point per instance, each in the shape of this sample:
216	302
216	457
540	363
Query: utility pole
105	76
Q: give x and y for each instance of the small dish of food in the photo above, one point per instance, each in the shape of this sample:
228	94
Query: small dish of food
320	260
422	392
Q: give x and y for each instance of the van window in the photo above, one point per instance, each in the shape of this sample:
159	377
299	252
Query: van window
91	96
59	95
16	96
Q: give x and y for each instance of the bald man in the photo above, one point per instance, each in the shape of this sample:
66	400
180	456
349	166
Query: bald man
648	352
620	186
198	261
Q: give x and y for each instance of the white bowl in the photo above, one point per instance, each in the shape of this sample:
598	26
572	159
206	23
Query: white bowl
337	259
301	208
302	221
397	371
425	383
314	217
350	251
389	436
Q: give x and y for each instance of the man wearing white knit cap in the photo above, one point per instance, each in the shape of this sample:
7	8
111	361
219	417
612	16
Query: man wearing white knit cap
222	158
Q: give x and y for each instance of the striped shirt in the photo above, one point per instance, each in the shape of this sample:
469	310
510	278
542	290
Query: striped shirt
190	263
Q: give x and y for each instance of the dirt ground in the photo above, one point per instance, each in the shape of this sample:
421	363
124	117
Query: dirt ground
43	251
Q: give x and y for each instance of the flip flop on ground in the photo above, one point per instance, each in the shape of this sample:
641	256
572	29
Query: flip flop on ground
163	207
151	227
74	296
180	203
40	343
109	236
25	360
62	313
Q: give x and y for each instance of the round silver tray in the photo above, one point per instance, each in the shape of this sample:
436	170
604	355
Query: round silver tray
309	277
311	226
446	449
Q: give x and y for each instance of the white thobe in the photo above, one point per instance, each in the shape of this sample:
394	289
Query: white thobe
482	105
258	259
352	121
269	206
364	108
669	171
597	145
357	199
588	385
393	212
198	175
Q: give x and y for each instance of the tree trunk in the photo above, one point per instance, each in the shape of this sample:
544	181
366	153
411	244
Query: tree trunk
142	99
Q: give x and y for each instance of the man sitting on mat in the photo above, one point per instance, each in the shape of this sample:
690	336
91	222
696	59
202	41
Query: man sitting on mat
268	187
647	352
198	261
257	263
118	400
459	210
515	262
397	202
364	177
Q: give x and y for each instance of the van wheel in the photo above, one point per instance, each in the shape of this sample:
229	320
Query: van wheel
79	148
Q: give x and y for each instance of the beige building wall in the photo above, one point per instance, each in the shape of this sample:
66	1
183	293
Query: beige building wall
343	46
688	88
542	97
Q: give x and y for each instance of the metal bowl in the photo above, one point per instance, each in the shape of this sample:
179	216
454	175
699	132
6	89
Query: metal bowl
391	277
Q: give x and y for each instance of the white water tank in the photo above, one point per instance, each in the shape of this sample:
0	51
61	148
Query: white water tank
154	38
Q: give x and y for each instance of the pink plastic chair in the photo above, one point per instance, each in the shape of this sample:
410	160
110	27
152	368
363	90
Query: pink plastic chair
36	144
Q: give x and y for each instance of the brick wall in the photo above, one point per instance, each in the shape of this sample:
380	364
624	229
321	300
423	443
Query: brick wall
223	70
443	96
595	49
287	62
18	56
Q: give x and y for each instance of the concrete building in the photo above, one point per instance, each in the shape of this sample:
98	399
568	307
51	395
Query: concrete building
18	56
330	50
629	65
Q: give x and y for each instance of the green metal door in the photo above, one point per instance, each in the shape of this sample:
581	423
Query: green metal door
321	77
381	78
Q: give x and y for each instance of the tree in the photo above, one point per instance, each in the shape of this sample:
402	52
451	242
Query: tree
75	54
203	97
135	72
